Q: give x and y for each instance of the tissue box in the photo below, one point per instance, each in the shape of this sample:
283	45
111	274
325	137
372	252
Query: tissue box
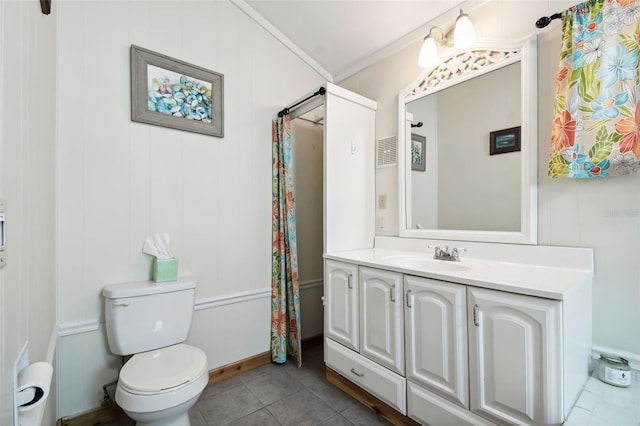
165	270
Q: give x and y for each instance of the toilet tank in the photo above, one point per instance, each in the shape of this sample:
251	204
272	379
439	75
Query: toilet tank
142	316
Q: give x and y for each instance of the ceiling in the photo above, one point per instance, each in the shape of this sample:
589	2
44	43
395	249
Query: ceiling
340	37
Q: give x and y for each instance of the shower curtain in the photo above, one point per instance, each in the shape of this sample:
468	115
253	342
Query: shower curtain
285	294
597	115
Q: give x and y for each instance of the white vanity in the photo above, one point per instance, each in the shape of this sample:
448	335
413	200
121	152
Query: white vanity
502	336
473	342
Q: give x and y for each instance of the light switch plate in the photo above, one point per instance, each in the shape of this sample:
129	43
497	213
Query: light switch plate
382	201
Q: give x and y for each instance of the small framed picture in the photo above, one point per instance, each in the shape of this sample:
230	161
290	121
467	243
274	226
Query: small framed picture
418	152
171	93
505	140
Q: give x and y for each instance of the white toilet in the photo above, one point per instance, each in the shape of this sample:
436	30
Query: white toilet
164	377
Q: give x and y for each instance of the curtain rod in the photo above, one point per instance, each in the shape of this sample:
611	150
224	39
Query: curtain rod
285	111
545	20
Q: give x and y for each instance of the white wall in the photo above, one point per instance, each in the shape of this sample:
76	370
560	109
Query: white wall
602	214
307	161
27	181
122	181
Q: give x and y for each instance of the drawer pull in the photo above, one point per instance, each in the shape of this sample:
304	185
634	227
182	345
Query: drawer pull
349	284
353	370
393	293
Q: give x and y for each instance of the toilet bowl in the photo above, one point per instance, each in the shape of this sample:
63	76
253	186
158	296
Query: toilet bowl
159	387
164	377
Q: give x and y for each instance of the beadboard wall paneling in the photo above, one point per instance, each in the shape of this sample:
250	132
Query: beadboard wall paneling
122	181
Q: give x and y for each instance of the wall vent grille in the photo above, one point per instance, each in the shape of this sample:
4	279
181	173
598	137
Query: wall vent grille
387	152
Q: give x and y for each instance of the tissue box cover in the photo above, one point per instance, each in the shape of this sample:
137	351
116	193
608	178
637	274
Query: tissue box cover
165	270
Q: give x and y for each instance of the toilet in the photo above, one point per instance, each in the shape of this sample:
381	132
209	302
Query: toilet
165	377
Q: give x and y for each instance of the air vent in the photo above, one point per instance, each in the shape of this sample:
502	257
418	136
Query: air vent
387	152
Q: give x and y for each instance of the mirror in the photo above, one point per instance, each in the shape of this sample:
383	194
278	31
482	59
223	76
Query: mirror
468	169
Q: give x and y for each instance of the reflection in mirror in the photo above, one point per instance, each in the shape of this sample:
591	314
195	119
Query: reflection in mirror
457	122
478	115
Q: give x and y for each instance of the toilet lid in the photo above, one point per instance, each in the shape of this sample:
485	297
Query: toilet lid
163	369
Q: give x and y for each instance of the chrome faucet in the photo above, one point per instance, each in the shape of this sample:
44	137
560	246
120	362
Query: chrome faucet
452	256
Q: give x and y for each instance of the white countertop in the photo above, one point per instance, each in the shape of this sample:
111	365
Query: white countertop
551	282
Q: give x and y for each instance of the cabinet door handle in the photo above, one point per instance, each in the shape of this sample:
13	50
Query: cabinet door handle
393	293
408	297
349	283
353	370
476	308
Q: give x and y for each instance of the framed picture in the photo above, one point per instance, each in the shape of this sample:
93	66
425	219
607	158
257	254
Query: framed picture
506	140
418	151
171	93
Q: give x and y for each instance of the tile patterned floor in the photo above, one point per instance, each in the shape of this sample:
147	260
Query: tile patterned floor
601	404
286	395
279	395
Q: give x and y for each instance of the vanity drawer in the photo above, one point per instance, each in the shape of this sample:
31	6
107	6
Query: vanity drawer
379	381
430	409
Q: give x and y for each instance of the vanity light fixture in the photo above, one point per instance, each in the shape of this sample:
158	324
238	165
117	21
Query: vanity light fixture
463	35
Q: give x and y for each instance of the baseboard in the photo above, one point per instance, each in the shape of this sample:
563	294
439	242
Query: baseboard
238	367
634	359
364	397
96	416
112	412
311	342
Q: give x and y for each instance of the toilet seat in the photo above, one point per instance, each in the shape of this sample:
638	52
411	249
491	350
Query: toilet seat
162	370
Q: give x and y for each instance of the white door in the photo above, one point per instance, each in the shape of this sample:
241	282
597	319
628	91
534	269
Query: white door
436	337
514	357
381	318
349	173
341	296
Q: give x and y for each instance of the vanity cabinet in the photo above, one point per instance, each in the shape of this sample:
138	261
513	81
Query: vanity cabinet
381	318
514	357
436	337
364	329
495	353
341	322
470	352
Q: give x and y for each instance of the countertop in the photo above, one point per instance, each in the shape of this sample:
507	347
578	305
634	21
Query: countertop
549	282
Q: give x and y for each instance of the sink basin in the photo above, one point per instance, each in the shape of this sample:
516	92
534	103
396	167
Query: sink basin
427	264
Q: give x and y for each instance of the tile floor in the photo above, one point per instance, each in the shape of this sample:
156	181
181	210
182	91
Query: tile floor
286	395
601	404
279	395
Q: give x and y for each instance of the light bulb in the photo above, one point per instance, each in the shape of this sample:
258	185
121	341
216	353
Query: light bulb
428	53
464	33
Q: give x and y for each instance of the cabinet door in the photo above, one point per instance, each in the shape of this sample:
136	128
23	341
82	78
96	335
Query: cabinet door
381	318
341	298
514	357
436	337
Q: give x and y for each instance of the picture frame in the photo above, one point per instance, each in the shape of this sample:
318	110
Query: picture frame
505	140
418	152
172	93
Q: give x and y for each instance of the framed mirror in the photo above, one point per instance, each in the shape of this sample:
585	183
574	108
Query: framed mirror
476	111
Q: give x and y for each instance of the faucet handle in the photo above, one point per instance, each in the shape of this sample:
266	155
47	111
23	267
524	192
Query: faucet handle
455	252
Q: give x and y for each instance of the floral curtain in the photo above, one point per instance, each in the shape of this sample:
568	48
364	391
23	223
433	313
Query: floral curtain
597	112
285	294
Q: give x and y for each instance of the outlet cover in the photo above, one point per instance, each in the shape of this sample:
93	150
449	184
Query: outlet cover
382	201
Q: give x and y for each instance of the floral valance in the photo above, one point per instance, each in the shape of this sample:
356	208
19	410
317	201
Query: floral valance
596	115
